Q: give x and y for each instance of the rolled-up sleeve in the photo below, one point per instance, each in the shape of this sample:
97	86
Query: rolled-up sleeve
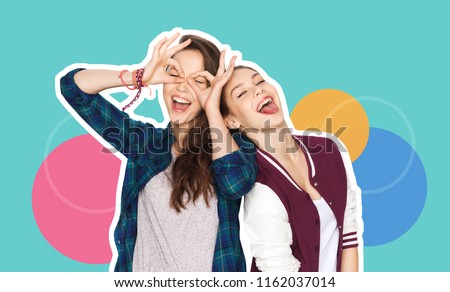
126	135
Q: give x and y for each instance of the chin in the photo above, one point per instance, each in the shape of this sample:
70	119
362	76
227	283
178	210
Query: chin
180	121
273	121
185	118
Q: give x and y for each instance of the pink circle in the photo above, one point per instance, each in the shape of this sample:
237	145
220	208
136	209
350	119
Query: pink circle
74	195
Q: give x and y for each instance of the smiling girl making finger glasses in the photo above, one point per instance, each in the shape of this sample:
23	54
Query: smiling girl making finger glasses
175	212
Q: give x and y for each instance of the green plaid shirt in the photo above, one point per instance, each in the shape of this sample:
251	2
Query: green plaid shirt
147	150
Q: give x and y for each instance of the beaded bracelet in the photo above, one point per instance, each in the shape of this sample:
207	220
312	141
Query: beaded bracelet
123	82
137	83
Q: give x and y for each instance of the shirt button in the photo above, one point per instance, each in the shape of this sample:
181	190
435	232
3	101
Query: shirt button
118	241
316	184
340	227
317	221
331	203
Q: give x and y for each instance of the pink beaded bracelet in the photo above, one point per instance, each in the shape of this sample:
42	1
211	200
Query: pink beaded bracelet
137	83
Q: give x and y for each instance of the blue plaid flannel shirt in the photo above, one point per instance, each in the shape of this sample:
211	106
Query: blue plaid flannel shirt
147	150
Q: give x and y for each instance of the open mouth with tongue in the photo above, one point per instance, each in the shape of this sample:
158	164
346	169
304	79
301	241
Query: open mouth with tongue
267	106
180	104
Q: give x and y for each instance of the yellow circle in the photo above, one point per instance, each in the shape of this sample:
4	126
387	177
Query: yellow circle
336	112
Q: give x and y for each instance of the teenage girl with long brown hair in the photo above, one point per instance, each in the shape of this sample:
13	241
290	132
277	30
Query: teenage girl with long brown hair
178	211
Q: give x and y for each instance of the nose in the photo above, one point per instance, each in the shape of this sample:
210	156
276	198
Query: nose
258	91
182	87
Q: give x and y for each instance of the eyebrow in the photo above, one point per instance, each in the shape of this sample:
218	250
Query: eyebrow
240	84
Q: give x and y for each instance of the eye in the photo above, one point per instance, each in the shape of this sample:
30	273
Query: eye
200	80
242	94
172	72
260	82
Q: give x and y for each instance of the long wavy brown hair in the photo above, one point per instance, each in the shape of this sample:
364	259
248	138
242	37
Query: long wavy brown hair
191	172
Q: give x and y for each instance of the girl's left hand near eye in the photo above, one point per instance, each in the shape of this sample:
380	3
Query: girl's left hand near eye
210	97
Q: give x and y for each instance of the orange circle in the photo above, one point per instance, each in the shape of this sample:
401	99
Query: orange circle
336	112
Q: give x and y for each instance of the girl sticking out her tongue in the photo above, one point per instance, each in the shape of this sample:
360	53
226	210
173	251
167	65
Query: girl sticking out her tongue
302	214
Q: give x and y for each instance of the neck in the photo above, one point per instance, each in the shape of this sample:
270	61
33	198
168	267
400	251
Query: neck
180	132
277	141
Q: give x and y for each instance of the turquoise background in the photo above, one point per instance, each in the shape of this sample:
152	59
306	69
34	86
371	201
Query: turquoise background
398	51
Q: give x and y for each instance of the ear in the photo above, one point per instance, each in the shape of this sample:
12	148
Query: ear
231	122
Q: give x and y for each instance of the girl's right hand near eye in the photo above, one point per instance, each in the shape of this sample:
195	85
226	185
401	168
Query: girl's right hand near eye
209	99
155	72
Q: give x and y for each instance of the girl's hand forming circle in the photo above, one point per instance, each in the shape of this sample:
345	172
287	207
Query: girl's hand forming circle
209	97
155	72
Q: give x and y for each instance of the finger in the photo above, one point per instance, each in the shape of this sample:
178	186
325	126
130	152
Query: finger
176	65
205	74
178	48
159	44
194	85
221	68
169	42
231	65
173	79
229	71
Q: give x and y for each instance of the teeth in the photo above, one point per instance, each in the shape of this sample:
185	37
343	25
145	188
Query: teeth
180	100
267	101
